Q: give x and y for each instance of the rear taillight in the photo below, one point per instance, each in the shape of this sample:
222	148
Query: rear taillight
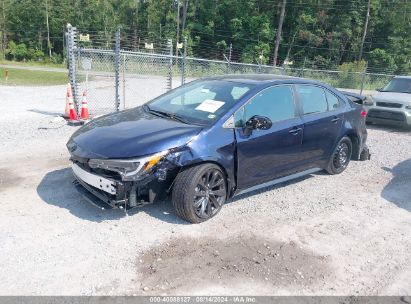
363	113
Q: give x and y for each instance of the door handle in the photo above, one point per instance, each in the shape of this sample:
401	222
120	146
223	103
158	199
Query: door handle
335	119
295	131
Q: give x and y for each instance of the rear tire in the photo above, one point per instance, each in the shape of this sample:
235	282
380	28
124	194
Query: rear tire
340	157
199	192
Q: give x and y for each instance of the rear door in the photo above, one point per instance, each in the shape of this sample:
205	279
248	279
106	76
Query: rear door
322	114
264	155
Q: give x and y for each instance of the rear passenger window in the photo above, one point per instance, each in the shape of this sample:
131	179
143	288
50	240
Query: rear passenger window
312	98
333	101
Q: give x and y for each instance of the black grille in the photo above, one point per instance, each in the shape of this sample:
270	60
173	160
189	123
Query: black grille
381	114
389	104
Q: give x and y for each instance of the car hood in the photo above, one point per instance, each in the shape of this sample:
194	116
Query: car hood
130	133
404	98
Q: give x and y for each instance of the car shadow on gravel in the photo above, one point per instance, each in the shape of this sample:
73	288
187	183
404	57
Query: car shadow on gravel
56	188
398	190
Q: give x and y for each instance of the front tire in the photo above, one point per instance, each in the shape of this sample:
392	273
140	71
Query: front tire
340	157
199	192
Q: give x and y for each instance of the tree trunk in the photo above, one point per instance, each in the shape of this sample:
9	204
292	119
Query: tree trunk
135	31
185	7
290	45
48	29
178	26
3	37
279	30
367	18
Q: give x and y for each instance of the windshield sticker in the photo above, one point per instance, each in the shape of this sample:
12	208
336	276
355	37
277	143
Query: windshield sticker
210	105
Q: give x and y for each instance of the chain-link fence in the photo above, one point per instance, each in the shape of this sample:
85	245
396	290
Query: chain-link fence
115	78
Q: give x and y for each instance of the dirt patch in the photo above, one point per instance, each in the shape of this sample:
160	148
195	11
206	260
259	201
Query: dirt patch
187	262
8	179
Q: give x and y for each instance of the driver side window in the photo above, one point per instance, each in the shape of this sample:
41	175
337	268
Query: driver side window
276	103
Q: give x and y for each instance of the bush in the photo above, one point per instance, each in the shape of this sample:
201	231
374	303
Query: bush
36	55
20	52
381	60
351	74
56	58
17	52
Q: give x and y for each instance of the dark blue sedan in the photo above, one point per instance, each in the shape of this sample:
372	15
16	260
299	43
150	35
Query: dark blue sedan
213	138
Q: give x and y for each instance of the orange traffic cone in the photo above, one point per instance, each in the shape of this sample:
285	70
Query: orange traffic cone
84	107
68	93
73	120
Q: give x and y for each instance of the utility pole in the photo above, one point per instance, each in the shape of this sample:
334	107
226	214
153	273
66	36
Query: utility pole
178	25
48	29
367	18
279	30
135	31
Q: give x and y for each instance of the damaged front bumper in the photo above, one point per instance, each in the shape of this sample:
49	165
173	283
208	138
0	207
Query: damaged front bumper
100	191
107	192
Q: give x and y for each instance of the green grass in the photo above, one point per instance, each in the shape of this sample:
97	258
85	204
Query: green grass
30	77
32	63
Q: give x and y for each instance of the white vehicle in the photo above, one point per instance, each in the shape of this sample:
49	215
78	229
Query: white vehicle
392	104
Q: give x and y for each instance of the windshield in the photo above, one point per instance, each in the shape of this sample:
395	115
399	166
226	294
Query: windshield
199	102
399	85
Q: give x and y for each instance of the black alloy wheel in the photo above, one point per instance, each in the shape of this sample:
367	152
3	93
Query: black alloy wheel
199	192
209	194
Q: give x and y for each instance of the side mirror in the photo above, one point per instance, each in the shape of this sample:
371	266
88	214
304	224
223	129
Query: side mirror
257	122
378	89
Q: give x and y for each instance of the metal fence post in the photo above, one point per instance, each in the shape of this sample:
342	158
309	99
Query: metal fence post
71	59
117	70
229	57
170	65
124	81
302	70
363	77
183	64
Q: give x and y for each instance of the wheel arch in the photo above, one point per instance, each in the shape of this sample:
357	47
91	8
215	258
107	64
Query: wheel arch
229	181
356	144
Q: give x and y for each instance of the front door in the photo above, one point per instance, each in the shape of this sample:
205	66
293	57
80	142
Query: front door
264	155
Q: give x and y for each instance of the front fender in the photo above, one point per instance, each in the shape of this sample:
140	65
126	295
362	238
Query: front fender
213	146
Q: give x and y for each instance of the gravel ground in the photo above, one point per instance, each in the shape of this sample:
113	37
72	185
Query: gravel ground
319	235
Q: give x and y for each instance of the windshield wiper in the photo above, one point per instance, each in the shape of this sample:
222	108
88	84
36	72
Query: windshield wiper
166	114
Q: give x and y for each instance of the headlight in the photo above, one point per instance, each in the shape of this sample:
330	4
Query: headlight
369	101
129	169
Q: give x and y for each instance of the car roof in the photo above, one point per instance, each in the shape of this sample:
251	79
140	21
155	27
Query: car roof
260	78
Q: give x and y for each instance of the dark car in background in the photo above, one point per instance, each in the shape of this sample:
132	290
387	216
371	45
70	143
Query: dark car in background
213	138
